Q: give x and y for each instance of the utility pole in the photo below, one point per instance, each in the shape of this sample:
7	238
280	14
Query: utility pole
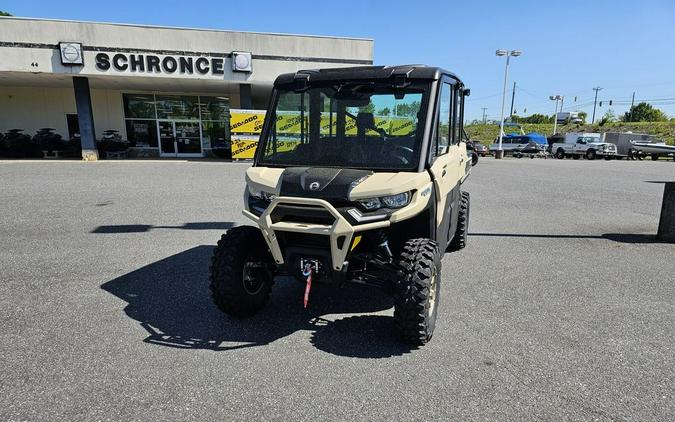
596	89
555	98
632	102
562	100
513	97
484	116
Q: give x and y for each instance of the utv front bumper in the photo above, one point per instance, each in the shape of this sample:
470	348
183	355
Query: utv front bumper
282	216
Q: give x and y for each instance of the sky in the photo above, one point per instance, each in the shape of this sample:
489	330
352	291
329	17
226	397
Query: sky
568	47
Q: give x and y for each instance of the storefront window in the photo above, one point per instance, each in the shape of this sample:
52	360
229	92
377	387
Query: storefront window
142	133
215	108
139	106
177	107
143	112
216	134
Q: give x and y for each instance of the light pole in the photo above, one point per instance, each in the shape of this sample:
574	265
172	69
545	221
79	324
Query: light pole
596	89
515	53
555	98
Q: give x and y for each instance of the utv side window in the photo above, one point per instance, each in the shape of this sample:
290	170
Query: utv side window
457	120
443	133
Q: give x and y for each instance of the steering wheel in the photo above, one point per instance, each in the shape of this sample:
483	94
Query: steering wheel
403	153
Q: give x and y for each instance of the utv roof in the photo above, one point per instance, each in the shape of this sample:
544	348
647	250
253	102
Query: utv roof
410	71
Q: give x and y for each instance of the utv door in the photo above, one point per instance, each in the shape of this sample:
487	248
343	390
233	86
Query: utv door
447	166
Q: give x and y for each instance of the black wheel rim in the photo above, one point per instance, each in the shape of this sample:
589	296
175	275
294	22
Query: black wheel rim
253	277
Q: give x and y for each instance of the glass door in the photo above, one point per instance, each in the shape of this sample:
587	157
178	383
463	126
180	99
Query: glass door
179	138
167	138
188	138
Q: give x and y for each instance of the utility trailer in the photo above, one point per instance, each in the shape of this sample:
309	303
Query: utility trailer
625	147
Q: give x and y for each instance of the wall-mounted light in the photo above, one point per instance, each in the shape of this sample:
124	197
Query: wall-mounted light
242	61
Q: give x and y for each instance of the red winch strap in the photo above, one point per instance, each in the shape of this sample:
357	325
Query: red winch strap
307	273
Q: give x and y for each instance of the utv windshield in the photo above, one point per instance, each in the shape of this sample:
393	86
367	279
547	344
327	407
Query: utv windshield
368	125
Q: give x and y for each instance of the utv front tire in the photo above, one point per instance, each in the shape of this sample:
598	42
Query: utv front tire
417	291
241	272
459	240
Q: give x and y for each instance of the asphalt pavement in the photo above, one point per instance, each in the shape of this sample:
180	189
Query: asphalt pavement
561	307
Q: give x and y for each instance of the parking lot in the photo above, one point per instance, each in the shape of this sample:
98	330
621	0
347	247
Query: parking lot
560	307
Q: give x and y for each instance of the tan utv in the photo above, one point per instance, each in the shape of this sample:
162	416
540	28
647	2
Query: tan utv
357	178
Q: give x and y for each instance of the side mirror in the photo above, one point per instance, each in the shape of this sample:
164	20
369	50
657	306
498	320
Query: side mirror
467	92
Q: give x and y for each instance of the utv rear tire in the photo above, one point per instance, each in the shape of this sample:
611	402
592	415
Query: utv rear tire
459	240
417	291
241	272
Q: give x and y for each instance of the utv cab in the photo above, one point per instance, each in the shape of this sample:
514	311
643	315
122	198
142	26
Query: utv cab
357	178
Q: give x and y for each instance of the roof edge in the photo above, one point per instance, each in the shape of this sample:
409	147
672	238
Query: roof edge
181	28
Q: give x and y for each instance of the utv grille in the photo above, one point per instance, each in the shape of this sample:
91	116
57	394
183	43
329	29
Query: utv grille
309	214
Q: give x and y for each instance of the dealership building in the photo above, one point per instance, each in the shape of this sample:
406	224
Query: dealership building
168	91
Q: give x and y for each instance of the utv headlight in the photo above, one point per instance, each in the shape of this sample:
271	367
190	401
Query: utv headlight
396	201
399	200
261	194
259	200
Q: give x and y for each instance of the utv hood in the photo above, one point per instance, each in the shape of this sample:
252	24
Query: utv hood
333	184
320	182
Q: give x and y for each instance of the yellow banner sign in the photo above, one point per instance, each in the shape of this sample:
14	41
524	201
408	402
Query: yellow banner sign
244	148
246	121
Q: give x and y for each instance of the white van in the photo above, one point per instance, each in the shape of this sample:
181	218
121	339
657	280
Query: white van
563	116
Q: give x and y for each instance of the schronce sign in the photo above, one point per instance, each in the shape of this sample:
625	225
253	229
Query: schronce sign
149	63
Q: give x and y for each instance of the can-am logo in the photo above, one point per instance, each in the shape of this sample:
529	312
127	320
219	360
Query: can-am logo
149	63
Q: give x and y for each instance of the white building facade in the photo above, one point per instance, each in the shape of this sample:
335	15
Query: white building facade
168	91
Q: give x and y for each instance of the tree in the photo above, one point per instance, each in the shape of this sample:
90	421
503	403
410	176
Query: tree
644	112
384	112
583	116
5	13
608	117
408	110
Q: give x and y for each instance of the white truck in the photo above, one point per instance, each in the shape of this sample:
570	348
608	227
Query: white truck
571	116
589	145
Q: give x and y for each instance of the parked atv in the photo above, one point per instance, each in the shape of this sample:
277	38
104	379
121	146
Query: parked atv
111	141
47	140
339	195
17	144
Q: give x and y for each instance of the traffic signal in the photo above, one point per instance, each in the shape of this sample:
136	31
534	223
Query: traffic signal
610	102
600	103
